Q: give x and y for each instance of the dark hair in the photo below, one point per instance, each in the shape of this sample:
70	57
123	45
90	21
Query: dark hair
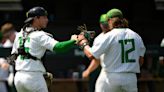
119	23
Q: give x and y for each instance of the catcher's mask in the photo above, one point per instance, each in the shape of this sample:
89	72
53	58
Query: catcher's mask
33	12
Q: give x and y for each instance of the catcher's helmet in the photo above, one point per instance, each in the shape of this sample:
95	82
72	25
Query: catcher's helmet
35	11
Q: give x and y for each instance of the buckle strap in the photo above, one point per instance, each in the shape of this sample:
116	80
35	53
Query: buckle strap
28	55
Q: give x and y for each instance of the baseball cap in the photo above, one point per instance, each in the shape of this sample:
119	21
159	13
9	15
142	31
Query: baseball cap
114	13
103	18
35	11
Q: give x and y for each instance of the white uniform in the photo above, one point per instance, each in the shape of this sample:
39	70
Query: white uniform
97	40
121	49
29	71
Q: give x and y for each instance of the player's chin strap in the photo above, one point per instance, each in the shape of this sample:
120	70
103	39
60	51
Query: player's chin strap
21	49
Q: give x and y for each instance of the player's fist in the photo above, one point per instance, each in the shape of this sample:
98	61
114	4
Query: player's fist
81	37
85	74
81	43
74	37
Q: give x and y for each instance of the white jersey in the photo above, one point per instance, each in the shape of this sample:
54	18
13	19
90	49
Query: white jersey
36	43
98	40
121	48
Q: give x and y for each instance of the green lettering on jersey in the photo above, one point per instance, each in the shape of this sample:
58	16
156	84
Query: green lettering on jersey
125	53
20	41
27	49
28	39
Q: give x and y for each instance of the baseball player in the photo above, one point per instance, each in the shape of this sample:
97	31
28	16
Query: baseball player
122	50
104	27
30	45
9	34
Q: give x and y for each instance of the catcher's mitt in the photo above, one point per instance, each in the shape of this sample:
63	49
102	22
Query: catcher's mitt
89	35
11	59
49	79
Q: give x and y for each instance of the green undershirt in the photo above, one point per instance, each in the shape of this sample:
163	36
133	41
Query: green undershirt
64	46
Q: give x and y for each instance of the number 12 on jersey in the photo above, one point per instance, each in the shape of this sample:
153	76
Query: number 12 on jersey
125	53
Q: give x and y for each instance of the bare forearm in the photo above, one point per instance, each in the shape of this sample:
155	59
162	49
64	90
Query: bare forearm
87	52
93	65
141	60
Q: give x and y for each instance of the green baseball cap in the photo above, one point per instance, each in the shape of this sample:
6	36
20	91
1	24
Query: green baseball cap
103	18
114	13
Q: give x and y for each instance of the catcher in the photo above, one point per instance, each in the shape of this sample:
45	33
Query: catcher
29	46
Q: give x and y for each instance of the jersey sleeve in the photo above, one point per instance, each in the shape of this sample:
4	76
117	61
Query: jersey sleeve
100	47
64	46
142	48
46	41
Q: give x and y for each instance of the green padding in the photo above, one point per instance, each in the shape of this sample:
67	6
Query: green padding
64	46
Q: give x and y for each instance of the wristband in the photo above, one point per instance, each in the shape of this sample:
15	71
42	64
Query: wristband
83	45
